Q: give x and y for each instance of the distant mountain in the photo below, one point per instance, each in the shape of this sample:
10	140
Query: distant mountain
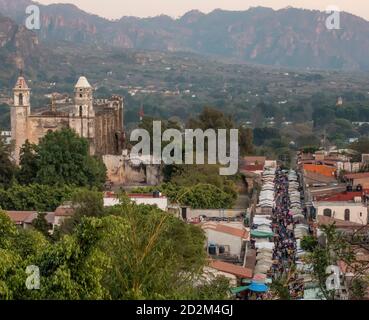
17	44
20	49
287	37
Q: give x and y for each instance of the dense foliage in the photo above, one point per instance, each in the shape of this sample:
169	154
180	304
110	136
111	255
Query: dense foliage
34	197
336	247
129	252
7	168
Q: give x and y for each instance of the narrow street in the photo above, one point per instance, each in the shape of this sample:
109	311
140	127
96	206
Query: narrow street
285	248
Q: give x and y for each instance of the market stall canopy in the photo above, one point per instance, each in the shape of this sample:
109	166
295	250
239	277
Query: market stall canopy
261	234
264	245
258	287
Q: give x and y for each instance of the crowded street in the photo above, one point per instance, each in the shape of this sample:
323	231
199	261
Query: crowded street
276	234
284	252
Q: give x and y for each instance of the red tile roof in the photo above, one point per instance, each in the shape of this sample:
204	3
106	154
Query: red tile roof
64	211
20	217
357	175
344	196
254	159
323	220
237	232
238	271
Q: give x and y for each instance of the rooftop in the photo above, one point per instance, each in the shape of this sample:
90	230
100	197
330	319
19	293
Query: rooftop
237	232
21	83
357	175
343	196
20	217
64	211
340	203
254	159
236	270
82	83
323	220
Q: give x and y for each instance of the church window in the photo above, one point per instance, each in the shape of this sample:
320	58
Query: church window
80	111
21	99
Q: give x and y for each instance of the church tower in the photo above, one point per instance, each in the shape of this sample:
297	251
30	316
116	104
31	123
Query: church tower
83	117
19	114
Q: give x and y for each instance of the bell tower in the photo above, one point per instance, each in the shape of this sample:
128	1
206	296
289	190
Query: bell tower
83	117
20	111
83	98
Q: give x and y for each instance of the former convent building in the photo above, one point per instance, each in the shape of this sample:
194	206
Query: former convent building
99	121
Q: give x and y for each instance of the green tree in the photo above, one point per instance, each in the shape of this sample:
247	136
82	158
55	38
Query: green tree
309	243
41	224
155	255
28	164
34	197
85	203
211	118
246	138
336	248
63	158
7	168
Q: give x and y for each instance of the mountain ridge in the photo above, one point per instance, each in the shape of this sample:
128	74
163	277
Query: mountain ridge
288	37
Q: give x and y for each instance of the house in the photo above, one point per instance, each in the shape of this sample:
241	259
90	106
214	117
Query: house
111	199
344	196
351	211
229	270
356	179
24	219
227	239
341	225
63	212
253	164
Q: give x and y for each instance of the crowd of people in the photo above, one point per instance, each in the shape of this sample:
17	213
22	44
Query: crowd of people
284	252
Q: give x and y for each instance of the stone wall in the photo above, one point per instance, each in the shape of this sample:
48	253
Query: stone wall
121	171
39	126
108	133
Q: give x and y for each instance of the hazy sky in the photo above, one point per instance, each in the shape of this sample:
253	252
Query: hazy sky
143	8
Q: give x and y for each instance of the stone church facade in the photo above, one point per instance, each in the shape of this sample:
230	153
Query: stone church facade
99	121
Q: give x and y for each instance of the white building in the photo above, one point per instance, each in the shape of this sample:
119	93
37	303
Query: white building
353	211
148	199
226	235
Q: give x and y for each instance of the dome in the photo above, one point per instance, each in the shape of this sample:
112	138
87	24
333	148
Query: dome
82	83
